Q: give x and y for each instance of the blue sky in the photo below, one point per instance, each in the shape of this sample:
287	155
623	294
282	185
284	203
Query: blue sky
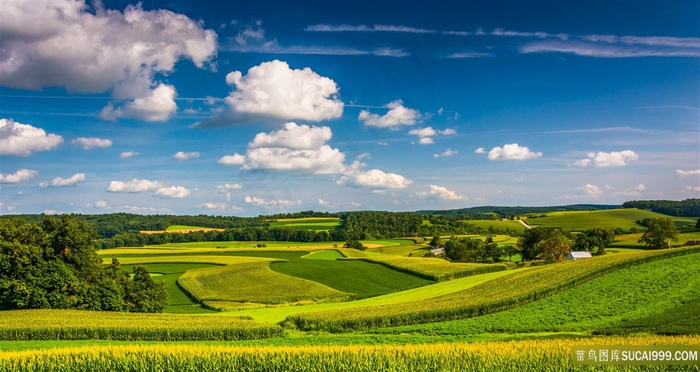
266	107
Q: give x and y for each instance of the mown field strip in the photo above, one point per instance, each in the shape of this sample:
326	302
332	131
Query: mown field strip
278	314
523	355
216	260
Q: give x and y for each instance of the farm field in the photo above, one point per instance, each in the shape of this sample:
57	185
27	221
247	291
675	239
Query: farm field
586	220
312	223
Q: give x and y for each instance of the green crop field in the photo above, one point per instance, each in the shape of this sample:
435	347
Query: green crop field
508	292
252	282
586	220
496	224
645	291
361	279
436	269
313	223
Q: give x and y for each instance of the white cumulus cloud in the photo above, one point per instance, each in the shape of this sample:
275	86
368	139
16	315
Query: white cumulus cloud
274	90
228	187
91	143
157	105
62	182
174	192
235	159
22	139
511	151
133	186
441	193
608	159
294	148
19	176
211	205
376	178
87	48
180	155
397	115
591	190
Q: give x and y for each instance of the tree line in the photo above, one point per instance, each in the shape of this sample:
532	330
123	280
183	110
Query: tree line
53	264
683	208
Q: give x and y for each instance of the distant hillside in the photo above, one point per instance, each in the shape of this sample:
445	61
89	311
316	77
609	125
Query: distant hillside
496	211
683	208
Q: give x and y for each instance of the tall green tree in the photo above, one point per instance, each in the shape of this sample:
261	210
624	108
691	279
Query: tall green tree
527	243
660	232
594	241
555	247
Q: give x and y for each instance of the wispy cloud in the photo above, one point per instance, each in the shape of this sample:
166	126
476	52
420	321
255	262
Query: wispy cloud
365	28
465	55
607	50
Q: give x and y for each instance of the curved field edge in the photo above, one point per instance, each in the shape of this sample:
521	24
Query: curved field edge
509	292
523	355
432	268
646	298
252	283
17	325
278	314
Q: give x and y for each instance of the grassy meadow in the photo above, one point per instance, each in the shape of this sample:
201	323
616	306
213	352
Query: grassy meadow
318	306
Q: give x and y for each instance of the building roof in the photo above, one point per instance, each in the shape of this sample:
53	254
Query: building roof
579	254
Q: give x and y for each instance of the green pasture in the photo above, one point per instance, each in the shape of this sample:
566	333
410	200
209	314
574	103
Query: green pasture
318	224
278	314
646	291
585	220
252	282
362	279
496	224
185	227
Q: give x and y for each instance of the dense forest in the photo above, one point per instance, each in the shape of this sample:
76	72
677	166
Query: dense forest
684	208
52	264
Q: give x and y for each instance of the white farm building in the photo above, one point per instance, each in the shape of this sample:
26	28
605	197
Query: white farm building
577	255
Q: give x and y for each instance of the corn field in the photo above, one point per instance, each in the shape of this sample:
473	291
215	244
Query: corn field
507	292
527	355
20	325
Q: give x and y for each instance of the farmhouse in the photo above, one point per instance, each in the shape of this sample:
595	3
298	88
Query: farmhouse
437	251
576	255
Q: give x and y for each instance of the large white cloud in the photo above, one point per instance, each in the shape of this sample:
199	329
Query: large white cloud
133	186
608	159
89	143
22	139
511	151
440	192
62	182
294	148
19	176
397	115
273	89
68	44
